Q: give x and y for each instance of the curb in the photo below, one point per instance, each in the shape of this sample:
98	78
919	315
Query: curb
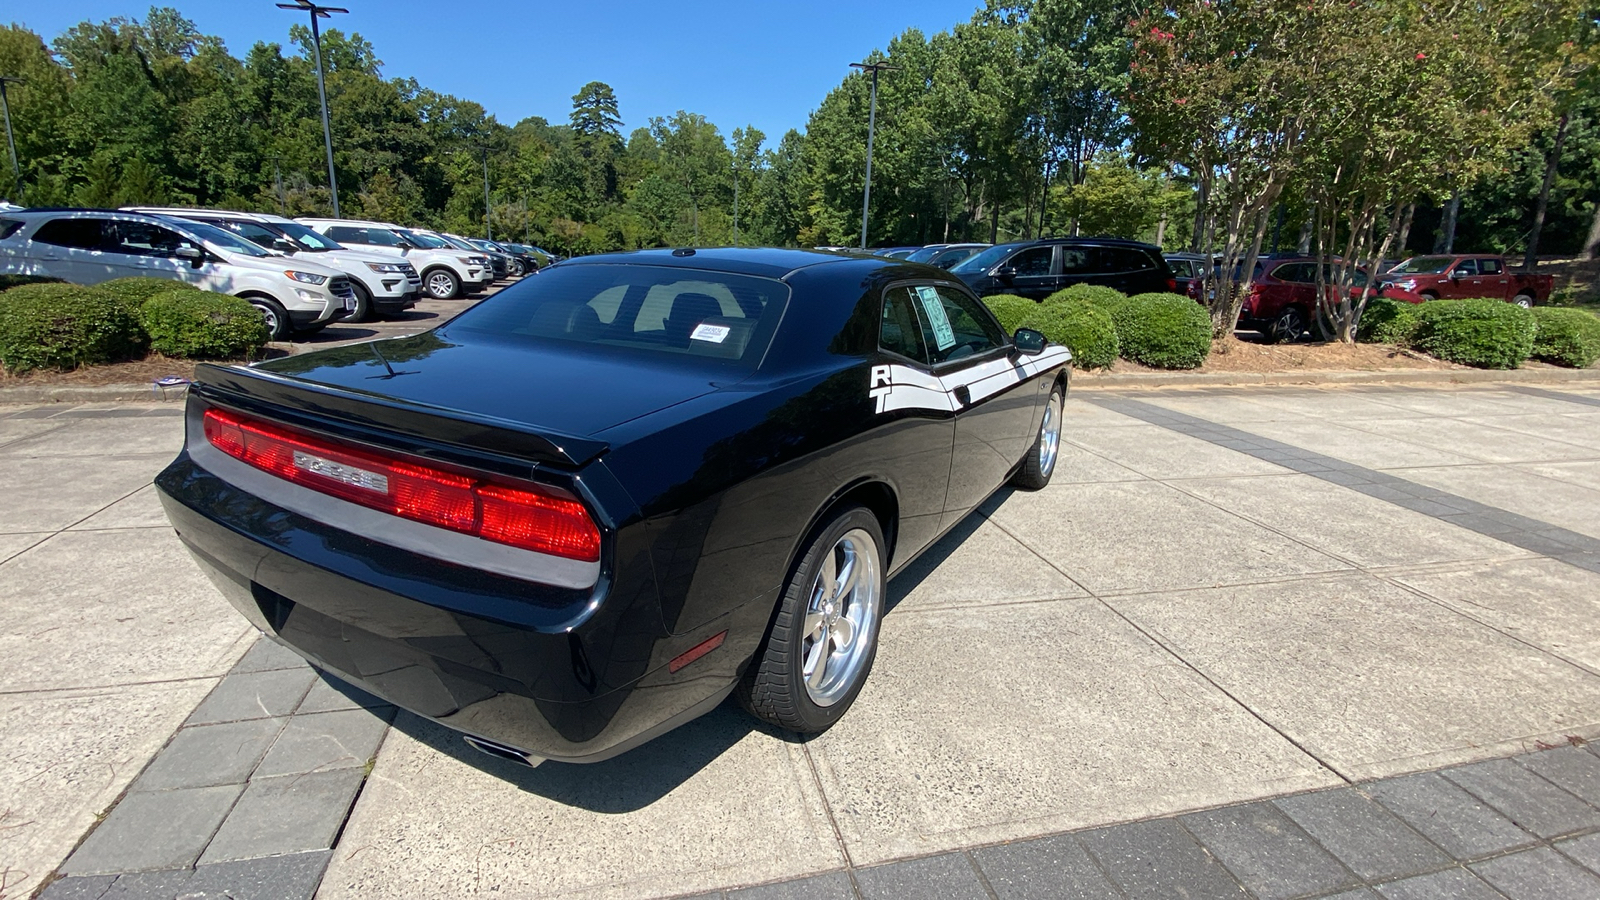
142	393
1382	376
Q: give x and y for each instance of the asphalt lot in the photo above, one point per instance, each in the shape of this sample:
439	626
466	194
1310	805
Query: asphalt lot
1224	596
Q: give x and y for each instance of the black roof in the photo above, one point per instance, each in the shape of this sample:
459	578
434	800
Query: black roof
769	262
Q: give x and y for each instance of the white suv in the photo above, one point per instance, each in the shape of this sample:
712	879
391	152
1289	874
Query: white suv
446	271
88	246
385	283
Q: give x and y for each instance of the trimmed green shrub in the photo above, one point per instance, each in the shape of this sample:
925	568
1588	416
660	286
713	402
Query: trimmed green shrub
199	325
1081	328
1387	321
1106	298
1488	334
137	290
1010	309
10	281
1566	337
1167	331
63	326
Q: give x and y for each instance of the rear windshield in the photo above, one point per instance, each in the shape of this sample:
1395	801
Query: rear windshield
639	309
1422	265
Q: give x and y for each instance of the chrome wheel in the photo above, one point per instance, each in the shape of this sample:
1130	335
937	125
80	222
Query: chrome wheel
841	618
1049	437
441	285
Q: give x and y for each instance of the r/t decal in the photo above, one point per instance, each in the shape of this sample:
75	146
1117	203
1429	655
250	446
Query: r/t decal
882	384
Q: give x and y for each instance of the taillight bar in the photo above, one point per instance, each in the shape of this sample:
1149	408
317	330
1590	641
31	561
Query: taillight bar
523	517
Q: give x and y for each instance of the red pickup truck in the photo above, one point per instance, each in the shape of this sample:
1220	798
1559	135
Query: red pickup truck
1467	275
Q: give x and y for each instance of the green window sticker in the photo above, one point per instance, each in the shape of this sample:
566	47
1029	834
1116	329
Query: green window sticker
944	337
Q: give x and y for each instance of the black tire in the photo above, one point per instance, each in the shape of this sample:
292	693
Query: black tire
774	687
1524	300
1429	295
1040	463
276	317
363	310
441	283
1289	327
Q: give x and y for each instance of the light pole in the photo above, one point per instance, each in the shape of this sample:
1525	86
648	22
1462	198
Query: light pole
11	141
488	230
872	123
321	12
277	182
736	198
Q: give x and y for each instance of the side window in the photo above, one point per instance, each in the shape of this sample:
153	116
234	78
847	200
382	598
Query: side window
348	234
901	329
953	325
1127	259
144	239
1295	273
1181	268
254	233
1078	261
1490	266
1468	266
79	234
8	227
1033	261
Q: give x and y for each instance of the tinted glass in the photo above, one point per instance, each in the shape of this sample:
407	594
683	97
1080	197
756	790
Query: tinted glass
923	255
145	239
1420	265
426	241
1129	259
1080	260
353	235
1296	273
984	260
8	227
1182	268
640	310
1033	261
901	330
946	259
1467	266
254	232
81	234
1490	266
226	240
307	238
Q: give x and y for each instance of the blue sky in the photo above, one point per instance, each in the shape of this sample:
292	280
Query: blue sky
760	63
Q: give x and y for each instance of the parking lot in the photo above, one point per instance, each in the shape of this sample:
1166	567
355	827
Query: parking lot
1224	596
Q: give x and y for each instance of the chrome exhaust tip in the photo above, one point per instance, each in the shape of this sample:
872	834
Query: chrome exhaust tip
501	751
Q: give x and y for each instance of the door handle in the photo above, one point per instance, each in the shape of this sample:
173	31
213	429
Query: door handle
963	396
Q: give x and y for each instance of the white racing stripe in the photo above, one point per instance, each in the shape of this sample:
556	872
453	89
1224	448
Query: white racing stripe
896	387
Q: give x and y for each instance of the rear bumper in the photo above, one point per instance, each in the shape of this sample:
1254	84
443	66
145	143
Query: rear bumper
573	676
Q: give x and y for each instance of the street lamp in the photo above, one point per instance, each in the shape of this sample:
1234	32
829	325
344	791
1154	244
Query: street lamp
321	12
488	229
872	122
736	197
11	141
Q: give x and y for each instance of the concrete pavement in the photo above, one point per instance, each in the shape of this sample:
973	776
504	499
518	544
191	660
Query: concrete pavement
1224	597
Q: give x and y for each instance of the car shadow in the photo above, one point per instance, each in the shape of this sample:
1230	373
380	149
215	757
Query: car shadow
622	784
919	570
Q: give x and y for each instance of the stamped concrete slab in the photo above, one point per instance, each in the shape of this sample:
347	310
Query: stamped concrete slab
1147	536
40	498
1086	722
84	437
977	566
1158	452
1446	401
121	605
1343	523
14	431
1370	678
155	831
67	756
12	544
1077	465
1583	473
1081	413
1339	404
1582	428
286	814
1544	602
1481	442
710	805
140	510
1516	490
320	742
1351	445
1231	409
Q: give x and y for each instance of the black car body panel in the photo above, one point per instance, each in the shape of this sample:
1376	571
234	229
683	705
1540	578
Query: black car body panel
1037	269
703	477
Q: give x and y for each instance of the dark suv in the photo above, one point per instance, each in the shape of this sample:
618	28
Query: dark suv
1037	269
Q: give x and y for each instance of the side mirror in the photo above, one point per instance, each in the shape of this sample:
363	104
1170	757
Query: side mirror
192	254
1028	342
1460	273
1006	273
407	246
283	245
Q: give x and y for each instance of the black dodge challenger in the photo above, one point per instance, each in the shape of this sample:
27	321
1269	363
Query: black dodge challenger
588	509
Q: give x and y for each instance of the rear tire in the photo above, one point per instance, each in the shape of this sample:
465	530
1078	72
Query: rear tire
1524	300
1288	327
274	317
363	310
822	642
1040	463
441	284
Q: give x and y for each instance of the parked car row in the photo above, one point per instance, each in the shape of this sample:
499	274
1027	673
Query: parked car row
301	274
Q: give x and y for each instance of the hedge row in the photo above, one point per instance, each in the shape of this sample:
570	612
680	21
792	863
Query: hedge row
1099	324
64	326
1488	334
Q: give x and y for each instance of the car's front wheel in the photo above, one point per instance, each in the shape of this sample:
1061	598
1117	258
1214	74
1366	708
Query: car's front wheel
1040	463
825	635
441	284
274	317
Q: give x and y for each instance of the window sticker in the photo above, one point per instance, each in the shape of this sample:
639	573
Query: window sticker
714	334
943	335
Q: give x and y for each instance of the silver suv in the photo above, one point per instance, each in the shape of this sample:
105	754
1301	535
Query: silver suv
446	271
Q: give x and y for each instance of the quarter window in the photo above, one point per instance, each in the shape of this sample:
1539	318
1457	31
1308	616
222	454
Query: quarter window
1489	266
1032	262
349	234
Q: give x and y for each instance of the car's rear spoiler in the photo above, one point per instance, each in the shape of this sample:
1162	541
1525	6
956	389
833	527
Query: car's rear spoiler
244	387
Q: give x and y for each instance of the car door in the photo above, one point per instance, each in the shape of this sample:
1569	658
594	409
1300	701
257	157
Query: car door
917	421
1460	277
993	401
150	250
1032	272
1496	283
73	248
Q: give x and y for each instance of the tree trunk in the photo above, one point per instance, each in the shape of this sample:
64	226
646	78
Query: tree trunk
1405	230
1446	242
1199	217
1303	245
1591	247
1531	260
1161	230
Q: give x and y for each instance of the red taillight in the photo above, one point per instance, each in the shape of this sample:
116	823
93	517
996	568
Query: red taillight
1172	285
523	517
